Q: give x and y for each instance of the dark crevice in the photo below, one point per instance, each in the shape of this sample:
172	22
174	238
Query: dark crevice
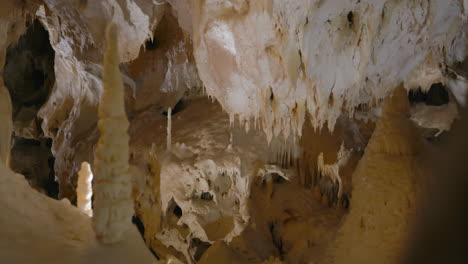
177	211
277	178
154	253
345	201
362	108
141	228
29	68
139	224
29	76
436	96
174	208
33	159
51	185
198	248
206	196
277	241
350	18
151	44
177	108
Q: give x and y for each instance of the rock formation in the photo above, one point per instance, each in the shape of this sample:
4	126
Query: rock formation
113	206
232	131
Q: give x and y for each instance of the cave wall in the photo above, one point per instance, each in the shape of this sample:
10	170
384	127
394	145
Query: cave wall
320	57
280	164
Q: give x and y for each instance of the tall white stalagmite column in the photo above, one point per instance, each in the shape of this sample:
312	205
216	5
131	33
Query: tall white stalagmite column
113	205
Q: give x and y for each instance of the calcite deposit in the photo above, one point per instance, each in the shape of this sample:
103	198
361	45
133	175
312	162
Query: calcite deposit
233	131
113	206
84	190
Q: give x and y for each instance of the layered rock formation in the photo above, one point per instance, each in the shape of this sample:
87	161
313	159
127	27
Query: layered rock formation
240	131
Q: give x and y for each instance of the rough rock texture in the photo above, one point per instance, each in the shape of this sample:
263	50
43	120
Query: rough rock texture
439	227
7	127
33	159
159	72
60	233
259	131
12	25
29	76
207	174
384	190
320	56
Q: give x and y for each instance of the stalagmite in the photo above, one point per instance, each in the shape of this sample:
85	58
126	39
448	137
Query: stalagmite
84	190
169	128
332	170
227	131
113	205
384	190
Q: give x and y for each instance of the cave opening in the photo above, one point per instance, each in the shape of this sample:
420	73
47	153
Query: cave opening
437	95
33	159
29	77
29	69
179	106
198	248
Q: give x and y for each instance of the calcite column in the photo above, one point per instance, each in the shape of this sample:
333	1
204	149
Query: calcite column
113	205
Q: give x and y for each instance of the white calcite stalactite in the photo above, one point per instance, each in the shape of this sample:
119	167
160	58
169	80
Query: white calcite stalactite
270	64
113	205
84	190
320	57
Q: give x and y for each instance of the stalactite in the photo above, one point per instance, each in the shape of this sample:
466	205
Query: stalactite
281	186
113	205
